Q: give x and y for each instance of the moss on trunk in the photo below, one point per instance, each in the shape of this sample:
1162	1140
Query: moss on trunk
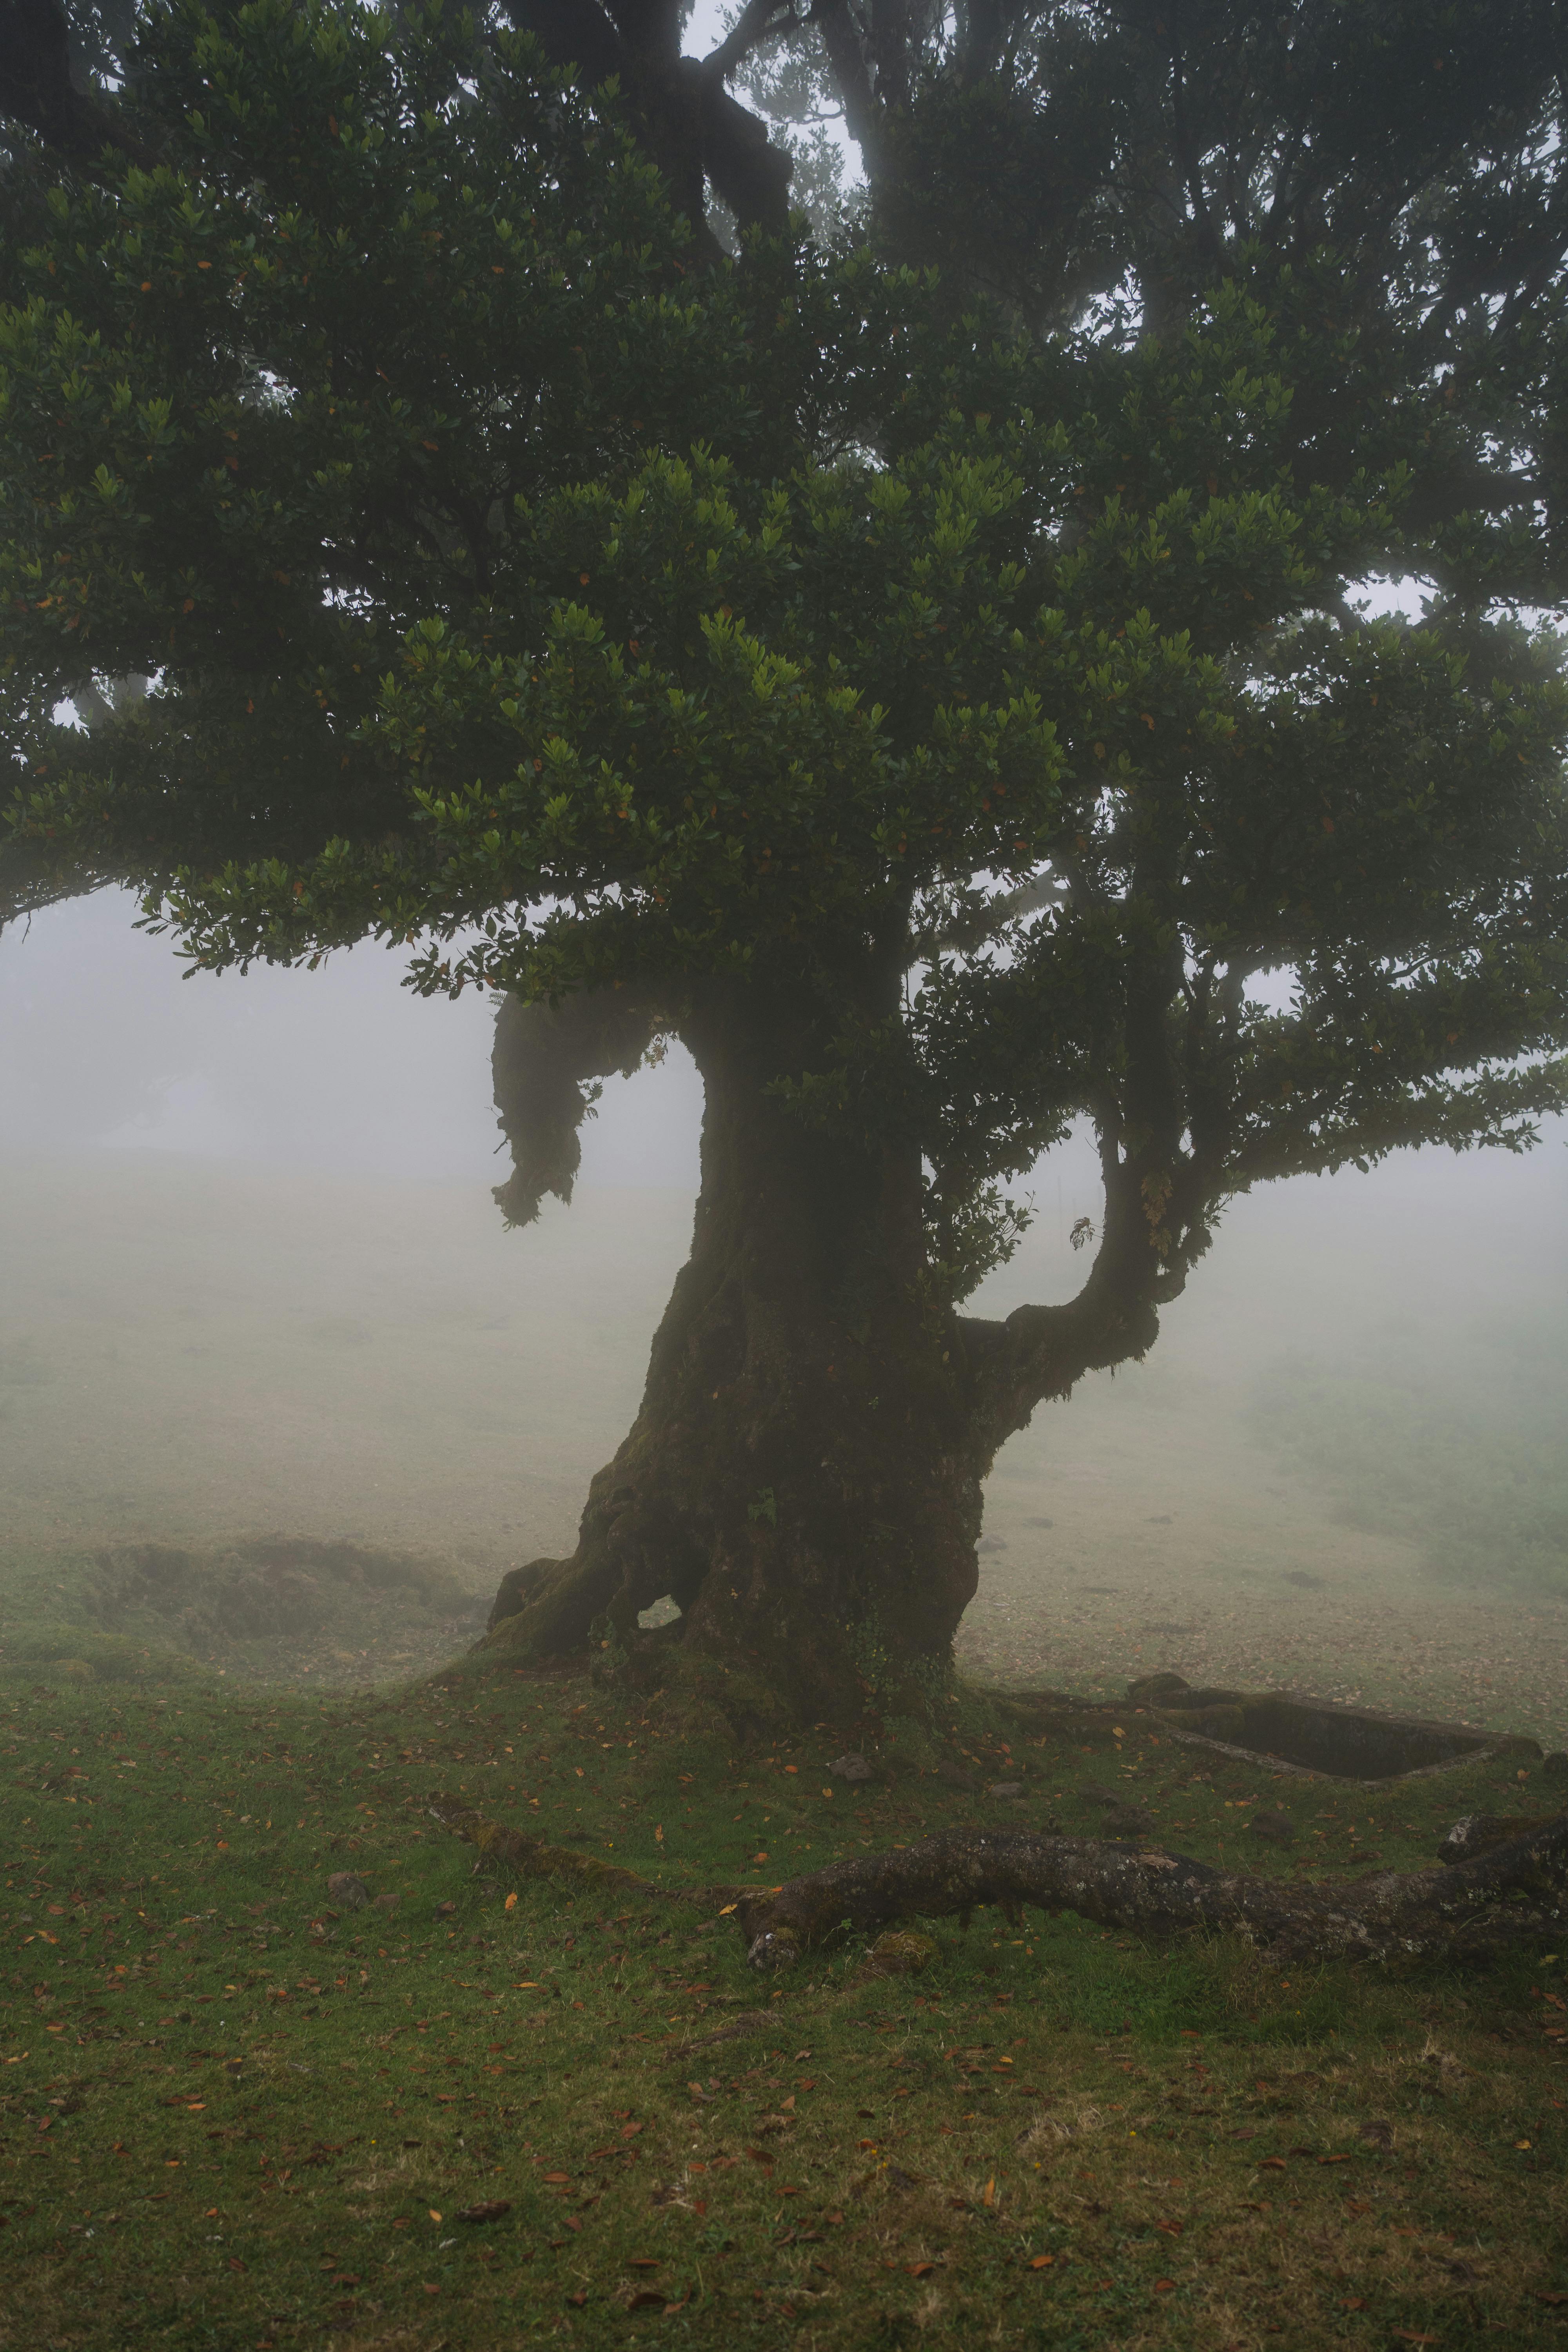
804	1476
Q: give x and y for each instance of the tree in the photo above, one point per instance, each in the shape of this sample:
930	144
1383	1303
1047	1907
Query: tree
935	695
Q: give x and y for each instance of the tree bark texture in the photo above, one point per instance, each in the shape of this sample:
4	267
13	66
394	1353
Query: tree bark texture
804	1476
1512	1892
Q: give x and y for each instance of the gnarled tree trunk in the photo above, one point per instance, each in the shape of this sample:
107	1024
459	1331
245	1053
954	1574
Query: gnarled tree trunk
804	1475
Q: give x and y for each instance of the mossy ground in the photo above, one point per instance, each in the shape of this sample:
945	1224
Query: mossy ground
229	2118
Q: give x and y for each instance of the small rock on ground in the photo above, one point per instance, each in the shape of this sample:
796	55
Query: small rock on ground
1126	1821
850	1768
1278	1828
1095	1793
347	1891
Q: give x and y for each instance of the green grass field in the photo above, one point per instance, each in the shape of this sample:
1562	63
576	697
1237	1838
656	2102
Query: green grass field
235	2114
265	1446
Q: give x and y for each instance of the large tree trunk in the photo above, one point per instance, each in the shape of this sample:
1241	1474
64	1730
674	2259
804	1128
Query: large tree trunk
804	1476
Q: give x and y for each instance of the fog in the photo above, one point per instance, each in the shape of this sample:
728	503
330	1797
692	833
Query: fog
251	1280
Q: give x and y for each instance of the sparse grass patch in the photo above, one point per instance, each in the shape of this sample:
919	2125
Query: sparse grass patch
235	2113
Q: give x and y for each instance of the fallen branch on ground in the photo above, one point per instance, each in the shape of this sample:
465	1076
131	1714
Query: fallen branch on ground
1512	1894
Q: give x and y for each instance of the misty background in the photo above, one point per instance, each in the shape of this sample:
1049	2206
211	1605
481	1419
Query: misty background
251	1281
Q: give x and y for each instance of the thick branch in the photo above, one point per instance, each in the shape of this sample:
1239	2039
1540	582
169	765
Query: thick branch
1510	1895
36	86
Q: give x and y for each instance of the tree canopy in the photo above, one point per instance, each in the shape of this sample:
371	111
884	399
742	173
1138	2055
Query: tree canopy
941	617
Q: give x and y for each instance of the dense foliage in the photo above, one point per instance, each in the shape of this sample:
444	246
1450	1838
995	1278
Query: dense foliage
510	588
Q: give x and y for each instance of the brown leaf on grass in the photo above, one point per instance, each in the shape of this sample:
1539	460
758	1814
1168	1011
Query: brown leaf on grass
1412	2336
642	2262
1354	2303
1549	2294
1164	2286
1042	2261
646	2299
1272	2164
920	2270
1172	2228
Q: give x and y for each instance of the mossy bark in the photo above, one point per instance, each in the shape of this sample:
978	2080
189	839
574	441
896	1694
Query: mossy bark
1510	1894
804	1476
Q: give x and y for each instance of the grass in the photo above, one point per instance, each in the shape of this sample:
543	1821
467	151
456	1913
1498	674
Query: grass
235	2113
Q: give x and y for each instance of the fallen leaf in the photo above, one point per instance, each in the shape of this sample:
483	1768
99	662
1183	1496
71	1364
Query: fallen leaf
556	2176
1042	2261
434	2215
1354	2303
1272	2164
1172	2228
1410	2336
1334	2160
642	2262
1164	2286
989	2197
511	1903
920	2270
645	2299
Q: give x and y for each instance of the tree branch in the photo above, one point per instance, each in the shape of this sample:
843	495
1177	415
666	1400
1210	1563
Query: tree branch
36	88
1512	1894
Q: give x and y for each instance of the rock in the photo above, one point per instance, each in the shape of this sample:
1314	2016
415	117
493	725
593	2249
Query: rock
901	1953
1006	1787
445	1910
1278	1828
1478	1833
991	1543
1128	1821
387	1903
850	1768
1555	1767
1157	1690
495	2209
1095	1793
348	1893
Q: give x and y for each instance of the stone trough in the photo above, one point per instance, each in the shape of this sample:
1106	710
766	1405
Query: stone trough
1314	1737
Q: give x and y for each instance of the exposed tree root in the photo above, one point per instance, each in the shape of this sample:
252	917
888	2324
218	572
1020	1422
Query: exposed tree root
1507	1896
1513	1894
